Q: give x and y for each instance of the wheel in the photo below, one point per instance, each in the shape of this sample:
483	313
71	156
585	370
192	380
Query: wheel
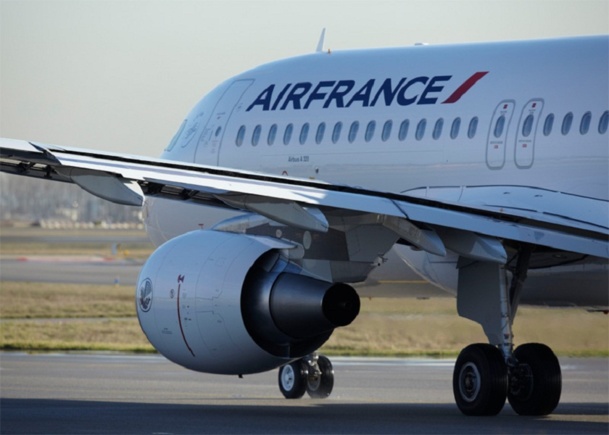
536	384
292	380
321	386
480	380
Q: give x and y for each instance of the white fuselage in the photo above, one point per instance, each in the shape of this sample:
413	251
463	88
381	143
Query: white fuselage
531	114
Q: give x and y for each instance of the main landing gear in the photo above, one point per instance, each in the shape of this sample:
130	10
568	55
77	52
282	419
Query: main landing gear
531	381
313	374
486	374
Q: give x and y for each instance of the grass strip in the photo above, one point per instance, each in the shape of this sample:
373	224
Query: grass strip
38	317
26	300
70	335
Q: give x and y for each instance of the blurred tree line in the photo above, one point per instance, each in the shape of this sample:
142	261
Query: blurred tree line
30	199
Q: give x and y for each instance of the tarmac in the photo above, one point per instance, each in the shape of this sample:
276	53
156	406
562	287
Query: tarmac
103	393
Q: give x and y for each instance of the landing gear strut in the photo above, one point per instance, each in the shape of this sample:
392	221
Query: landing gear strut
313	374
486	374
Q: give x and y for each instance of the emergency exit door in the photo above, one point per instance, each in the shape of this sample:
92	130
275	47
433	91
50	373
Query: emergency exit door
524	152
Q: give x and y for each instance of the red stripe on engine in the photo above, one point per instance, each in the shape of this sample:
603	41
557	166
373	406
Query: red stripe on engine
180	280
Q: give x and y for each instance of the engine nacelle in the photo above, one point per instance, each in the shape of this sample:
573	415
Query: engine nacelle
228	303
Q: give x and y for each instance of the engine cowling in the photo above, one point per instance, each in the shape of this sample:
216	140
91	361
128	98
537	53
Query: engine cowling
228	303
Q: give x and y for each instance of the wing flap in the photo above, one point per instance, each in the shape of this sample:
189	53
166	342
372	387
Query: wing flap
525	202
563	237
107	186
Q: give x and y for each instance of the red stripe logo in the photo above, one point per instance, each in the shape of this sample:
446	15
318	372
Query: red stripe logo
466	86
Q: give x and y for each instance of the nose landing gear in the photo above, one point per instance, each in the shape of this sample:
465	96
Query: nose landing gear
313	374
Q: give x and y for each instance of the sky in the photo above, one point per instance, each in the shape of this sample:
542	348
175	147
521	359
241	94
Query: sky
122	75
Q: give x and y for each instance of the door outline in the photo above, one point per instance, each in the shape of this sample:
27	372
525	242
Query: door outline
496	145
524	146
210	140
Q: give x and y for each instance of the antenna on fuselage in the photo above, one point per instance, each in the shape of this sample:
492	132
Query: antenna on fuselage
320	44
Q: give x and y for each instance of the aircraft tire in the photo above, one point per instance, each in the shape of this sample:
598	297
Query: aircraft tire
480	380
536	385
321	387
292	380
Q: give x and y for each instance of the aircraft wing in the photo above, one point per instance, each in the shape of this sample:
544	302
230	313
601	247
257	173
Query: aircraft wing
473	223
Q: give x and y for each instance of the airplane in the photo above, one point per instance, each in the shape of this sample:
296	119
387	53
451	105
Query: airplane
484	167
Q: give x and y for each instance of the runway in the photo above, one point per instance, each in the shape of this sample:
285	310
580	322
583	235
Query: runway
76	271
104	271
116	393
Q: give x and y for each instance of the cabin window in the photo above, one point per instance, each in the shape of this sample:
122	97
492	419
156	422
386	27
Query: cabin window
304	132
386	130
603	123
272	134
566	123
370	131
420	132
437	129
473	126
403	130
454	128
336	132
256	135
240	136
527	125
548	124
584	125
353	131
319	136
499	125
287	134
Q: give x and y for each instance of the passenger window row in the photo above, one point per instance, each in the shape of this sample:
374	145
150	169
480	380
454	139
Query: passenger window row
584	123
354	128
419	133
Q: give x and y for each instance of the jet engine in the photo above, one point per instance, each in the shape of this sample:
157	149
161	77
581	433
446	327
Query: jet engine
227	303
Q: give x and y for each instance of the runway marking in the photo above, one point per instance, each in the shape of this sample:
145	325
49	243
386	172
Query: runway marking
347	361
363	361
65	259
403	281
